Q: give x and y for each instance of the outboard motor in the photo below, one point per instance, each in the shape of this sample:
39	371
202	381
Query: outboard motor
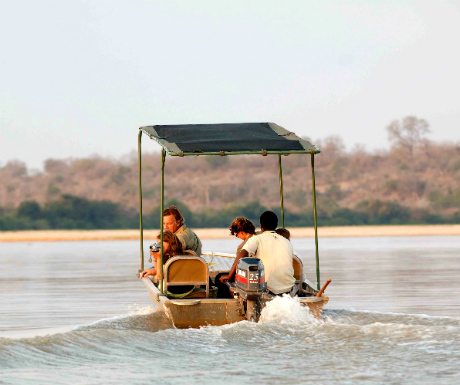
250	285
250	278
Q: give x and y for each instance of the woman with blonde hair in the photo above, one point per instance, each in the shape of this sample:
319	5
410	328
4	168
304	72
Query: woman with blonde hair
171	248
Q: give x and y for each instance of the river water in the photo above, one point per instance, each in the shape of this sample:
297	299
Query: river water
74	312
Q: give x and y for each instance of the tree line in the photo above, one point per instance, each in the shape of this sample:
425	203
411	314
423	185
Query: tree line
72	212
416	181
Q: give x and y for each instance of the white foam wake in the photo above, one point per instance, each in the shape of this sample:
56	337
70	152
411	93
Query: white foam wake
286	310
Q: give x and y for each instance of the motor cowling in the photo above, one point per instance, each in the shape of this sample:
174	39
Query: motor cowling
250	278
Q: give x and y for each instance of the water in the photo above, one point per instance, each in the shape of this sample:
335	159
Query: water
74	312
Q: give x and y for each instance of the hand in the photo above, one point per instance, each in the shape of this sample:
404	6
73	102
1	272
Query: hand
147	272
224	278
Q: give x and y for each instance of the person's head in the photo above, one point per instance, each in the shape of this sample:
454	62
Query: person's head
284	233
172	219
171	243
268	221
242	228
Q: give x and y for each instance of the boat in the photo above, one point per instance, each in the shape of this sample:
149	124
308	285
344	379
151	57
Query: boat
250	295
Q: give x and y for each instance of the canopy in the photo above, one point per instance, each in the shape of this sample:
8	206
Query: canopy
228	139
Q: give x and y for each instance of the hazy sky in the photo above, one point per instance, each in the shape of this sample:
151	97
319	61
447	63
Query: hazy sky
79	77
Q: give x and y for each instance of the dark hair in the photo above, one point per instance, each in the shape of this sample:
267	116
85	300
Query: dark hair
283	232
174	211
268	220
175	247
242	224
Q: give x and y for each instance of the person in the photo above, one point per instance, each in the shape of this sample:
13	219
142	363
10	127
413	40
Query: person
274	251
284	233
171	248
243	229
174	222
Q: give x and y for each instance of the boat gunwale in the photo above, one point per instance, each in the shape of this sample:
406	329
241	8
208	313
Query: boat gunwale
163	299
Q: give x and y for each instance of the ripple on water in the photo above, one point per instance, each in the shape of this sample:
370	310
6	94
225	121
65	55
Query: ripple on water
288	345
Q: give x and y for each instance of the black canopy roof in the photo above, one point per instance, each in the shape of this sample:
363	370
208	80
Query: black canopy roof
228	138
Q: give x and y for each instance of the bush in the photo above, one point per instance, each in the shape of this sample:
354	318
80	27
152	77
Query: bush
29	209
71	212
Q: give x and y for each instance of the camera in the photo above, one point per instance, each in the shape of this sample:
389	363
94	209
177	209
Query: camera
155	247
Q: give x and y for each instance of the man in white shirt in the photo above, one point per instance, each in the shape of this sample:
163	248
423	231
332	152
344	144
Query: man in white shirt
274	251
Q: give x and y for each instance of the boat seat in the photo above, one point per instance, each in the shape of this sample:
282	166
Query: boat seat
186	271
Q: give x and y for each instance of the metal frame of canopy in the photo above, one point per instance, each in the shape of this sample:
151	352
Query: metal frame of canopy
152	135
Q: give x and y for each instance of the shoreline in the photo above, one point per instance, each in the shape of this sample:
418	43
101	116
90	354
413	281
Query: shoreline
296	232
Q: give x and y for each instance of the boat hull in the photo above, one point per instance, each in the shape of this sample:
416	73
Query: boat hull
195	313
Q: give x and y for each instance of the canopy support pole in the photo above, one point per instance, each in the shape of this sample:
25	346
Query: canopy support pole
281	190
315	218
162	206
141	226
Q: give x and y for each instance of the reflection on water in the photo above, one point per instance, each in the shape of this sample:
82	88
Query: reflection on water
74	312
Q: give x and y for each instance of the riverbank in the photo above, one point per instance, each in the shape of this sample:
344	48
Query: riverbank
343	231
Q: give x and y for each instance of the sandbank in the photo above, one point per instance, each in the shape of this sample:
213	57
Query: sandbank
342	231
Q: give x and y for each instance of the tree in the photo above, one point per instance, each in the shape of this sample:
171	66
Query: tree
29	209
408	134
56	166
333	146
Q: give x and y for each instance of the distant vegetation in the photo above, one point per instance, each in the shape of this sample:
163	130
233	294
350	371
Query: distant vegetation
416	181
70	212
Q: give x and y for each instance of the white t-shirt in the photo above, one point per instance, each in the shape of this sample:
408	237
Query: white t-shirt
275	252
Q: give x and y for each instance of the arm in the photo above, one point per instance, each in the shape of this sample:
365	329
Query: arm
156	261
243	254
154	255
